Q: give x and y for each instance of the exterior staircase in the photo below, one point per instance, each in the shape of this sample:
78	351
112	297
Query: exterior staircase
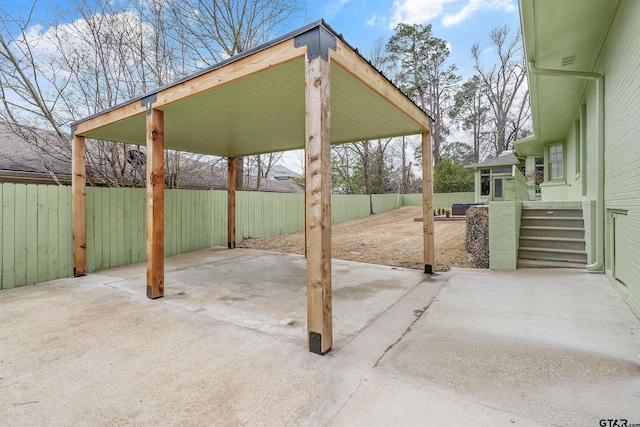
553	236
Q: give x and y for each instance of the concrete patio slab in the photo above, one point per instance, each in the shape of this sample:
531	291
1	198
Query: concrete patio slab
558	345
267	291
226	346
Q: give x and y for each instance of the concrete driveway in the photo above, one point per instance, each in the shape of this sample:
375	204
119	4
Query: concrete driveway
227	346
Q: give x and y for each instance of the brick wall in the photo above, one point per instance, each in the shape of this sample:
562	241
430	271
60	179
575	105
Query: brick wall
504	234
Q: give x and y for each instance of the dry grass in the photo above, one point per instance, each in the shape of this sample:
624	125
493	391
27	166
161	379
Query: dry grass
390	238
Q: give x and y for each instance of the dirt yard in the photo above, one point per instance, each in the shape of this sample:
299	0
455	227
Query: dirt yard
390	238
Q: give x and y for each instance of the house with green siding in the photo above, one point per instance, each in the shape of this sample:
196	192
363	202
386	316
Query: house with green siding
584	78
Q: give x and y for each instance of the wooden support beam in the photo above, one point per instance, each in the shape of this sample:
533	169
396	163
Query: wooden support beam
427	202
318	205
79	208
155	203
231	204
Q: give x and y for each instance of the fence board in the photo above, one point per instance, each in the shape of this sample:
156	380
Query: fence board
65	235
36	224
90	229
8	235
141	224
43	234
20	232
32	234
128	226
54	235
120	226
113	227
102	223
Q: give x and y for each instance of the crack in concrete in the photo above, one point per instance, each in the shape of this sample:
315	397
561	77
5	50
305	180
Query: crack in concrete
418	314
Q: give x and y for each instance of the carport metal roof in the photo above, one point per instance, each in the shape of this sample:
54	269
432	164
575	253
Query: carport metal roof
308	89
255	102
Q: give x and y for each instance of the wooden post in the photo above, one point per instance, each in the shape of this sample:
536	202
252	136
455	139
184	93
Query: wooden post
231	204
155	203
318	205
427	202
79	209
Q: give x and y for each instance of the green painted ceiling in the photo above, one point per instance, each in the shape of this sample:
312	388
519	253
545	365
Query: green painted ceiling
265	112
560	35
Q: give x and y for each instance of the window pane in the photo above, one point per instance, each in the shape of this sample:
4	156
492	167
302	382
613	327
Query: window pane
484	185
498	187
556	161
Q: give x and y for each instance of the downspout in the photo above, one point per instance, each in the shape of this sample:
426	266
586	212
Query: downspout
599	79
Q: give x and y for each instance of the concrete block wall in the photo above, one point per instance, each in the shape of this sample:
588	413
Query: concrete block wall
504	234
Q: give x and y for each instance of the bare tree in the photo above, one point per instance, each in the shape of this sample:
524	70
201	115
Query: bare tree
27	104
109	52
216	30
503	85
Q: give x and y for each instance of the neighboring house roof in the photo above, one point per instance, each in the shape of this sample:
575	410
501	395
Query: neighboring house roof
280	172
21	163
557	35
506	158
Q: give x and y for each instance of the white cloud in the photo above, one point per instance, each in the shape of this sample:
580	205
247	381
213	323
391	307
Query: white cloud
421	11
416	11
474	6
375	20
334	7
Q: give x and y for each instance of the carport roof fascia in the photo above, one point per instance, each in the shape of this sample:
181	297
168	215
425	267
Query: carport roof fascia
300	36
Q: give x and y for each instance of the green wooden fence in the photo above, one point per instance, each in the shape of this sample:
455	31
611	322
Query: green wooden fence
36	234
440	200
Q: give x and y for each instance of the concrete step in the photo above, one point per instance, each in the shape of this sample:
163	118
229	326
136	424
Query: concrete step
536	263
552	221
552	243
555	212
540	231
549	254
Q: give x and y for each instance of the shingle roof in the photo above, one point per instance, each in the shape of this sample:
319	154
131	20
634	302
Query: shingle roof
507	158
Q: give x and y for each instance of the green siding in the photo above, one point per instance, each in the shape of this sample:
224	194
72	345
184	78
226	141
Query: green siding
620	64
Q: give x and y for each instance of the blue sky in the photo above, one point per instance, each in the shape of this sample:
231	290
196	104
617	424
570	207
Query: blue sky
460	22
362	22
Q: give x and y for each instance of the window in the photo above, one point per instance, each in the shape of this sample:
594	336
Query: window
556	161
539	171
502	170
485	182
498	188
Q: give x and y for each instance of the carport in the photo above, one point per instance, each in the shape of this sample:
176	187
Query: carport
308	89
